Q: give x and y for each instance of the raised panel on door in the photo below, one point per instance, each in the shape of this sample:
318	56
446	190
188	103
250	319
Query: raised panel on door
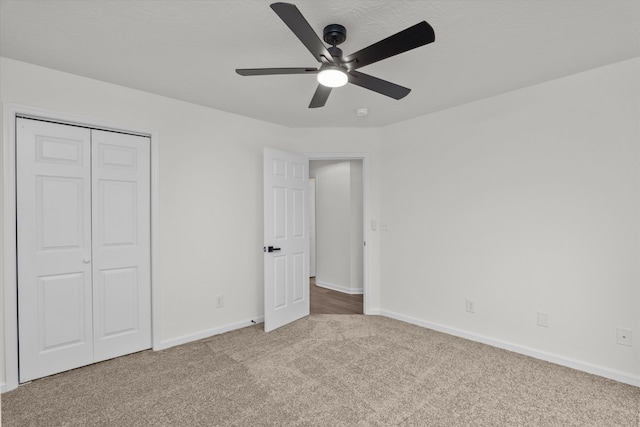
300	283
53	182
285	228
118	298
280	281
61	293
121	243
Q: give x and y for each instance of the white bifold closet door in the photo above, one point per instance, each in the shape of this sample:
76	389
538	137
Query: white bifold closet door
83	223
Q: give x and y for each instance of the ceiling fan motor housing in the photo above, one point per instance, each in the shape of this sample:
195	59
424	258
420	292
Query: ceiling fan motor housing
334	34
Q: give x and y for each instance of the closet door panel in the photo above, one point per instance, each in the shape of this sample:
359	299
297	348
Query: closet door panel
53	179
121	243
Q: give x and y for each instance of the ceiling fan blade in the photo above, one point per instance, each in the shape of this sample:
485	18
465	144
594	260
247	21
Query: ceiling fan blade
271	71
291	16
378	85
320	97
410	38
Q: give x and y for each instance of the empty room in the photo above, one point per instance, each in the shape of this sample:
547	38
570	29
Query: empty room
165	166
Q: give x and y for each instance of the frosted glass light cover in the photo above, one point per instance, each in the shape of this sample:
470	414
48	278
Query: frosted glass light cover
332	77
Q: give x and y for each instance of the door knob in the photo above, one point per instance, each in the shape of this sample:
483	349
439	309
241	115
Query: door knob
271	249
86	260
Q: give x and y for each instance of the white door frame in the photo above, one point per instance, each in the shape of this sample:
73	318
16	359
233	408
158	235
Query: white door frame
9	257
365	214
312	227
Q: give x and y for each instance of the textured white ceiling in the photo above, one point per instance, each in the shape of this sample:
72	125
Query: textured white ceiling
189	50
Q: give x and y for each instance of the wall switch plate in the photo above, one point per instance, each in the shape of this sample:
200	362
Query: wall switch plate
471	306
623	336
543	319
220	301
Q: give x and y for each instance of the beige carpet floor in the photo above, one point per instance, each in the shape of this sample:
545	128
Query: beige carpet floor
325	370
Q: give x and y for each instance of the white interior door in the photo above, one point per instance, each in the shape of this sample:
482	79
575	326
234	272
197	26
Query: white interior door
54	247
286	238
83	209
121	242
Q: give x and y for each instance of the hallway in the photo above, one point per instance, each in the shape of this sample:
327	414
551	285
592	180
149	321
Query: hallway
327	301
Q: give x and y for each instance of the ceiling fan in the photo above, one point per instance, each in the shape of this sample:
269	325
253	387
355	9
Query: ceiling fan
337	70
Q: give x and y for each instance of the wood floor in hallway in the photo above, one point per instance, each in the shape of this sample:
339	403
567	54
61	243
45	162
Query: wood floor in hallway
327	301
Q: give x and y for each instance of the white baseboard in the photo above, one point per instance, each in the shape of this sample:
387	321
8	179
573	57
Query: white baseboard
3	388
207	333
339	288
516	348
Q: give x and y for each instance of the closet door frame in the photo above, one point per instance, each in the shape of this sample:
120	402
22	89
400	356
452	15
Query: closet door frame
9	256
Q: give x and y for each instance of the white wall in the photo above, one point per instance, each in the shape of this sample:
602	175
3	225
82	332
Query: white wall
211	231
524	202
339	224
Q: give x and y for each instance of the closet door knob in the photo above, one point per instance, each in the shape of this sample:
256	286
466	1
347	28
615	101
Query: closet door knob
86	260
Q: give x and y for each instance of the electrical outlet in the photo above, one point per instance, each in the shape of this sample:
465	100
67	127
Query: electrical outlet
623	336
543	319
471	306
220	301
384	226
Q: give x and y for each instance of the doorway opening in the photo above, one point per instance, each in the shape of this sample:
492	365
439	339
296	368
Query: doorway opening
337	284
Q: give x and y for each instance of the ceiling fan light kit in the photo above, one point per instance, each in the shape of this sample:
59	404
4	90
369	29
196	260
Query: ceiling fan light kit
332	77
336	69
